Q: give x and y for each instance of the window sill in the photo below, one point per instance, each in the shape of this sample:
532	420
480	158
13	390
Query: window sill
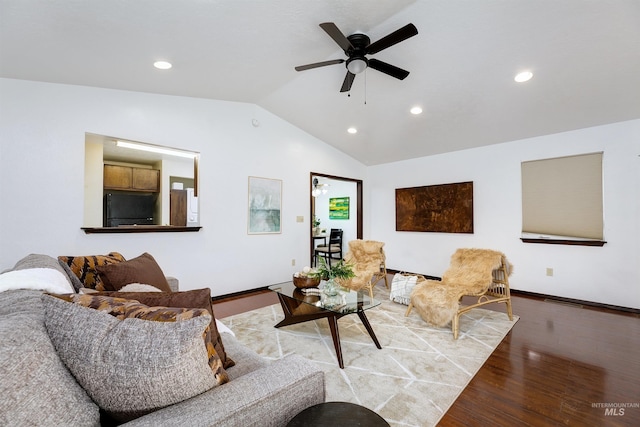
140	229
564	242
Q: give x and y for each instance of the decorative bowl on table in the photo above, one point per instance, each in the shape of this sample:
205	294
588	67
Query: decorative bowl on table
305	282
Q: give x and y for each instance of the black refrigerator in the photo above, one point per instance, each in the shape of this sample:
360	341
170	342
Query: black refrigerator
129	209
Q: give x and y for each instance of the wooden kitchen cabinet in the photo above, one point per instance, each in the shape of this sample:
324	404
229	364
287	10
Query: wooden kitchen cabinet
131	179
146	179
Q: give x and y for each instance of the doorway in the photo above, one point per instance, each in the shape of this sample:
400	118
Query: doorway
342	186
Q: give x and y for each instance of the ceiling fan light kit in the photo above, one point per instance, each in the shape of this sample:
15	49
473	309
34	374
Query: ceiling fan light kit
357	65
357	46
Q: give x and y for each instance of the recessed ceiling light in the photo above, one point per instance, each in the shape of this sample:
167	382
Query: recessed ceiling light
352	130
162	65
524	76
416	110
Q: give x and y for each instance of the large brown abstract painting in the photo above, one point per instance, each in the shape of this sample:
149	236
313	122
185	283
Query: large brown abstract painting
446	208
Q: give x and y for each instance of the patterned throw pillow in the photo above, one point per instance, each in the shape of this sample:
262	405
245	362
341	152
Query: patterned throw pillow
130	358
85	267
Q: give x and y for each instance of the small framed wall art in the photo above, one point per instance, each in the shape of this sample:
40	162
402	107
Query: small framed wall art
265	206
339	208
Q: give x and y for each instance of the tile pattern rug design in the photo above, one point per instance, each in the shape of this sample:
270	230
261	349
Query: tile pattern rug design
412	381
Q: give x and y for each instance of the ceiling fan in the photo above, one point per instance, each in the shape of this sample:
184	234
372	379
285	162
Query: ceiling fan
357	46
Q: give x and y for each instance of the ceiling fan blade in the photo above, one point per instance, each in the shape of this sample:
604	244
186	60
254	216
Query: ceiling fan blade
319	64
389	69
397	36
348	81
337	36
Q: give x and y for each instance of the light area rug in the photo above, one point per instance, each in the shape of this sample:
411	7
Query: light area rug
411	381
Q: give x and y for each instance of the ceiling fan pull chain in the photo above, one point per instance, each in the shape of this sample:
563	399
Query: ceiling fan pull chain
365	87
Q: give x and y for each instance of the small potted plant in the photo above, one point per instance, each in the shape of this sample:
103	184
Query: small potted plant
316	225
338	272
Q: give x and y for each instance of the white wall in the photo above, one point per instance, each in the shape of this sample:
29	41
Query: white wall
42	133
93	185
609	274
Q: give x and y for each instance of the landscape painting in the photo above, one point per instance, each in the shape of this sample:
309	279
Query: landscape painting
265	204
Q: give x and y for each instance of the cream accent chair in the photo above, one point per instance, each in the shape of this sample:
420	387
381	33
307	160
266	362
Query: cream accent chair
368	260
481	273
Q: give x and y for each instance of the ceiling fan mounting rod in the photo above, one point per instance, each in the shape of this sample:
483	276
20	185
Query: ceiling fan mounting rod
359	42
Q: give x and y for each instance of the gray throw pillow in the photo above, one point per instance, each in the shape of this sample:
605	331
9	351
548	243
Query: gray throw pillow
36	389
130	367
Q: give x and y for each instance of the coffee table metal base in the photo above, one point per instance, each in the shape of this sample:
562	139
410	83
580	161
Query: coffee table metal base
298	312
335	414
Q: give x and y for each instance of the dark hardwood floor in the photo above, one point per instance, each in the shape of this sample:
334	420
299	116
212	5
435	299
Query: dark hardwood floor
561	364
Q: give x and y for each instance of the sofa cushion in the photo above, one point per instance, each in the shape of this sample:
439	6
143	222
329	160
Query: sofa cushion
143	269
247	360
198	298
85	267
131	367
36	389
37	261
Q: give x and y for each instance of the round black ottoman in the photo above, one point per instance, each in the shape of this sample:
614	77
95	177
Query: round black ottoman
334	414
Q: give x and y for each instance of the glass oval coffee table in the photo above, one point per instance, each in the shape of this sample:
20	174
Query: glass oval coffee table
301	305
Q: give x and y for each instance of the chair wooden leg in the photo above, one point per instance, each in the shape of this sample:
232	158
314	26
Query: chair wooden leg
455	326
509	309
406	314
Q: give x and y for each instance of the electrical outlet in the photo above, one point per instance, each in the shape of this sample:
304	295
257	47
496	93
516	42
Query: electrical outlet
549	271
293	262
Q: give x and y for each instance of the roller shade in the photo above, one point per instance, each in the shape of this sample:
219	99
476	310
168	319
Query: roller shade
563	196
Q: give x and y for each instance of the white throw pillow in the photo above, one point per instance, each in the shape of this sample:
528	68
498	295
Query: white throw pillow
45	279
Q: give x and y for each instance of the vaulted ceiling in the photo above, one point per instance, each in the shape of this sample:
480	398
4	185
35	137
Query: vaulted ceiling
584	54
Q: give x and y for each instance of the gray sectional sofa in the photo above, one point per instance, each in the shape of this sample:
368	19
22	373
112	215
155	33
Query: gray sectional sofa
37	388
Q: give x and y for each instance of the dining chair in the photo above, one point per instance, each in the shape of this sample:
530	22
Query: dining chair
333	250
